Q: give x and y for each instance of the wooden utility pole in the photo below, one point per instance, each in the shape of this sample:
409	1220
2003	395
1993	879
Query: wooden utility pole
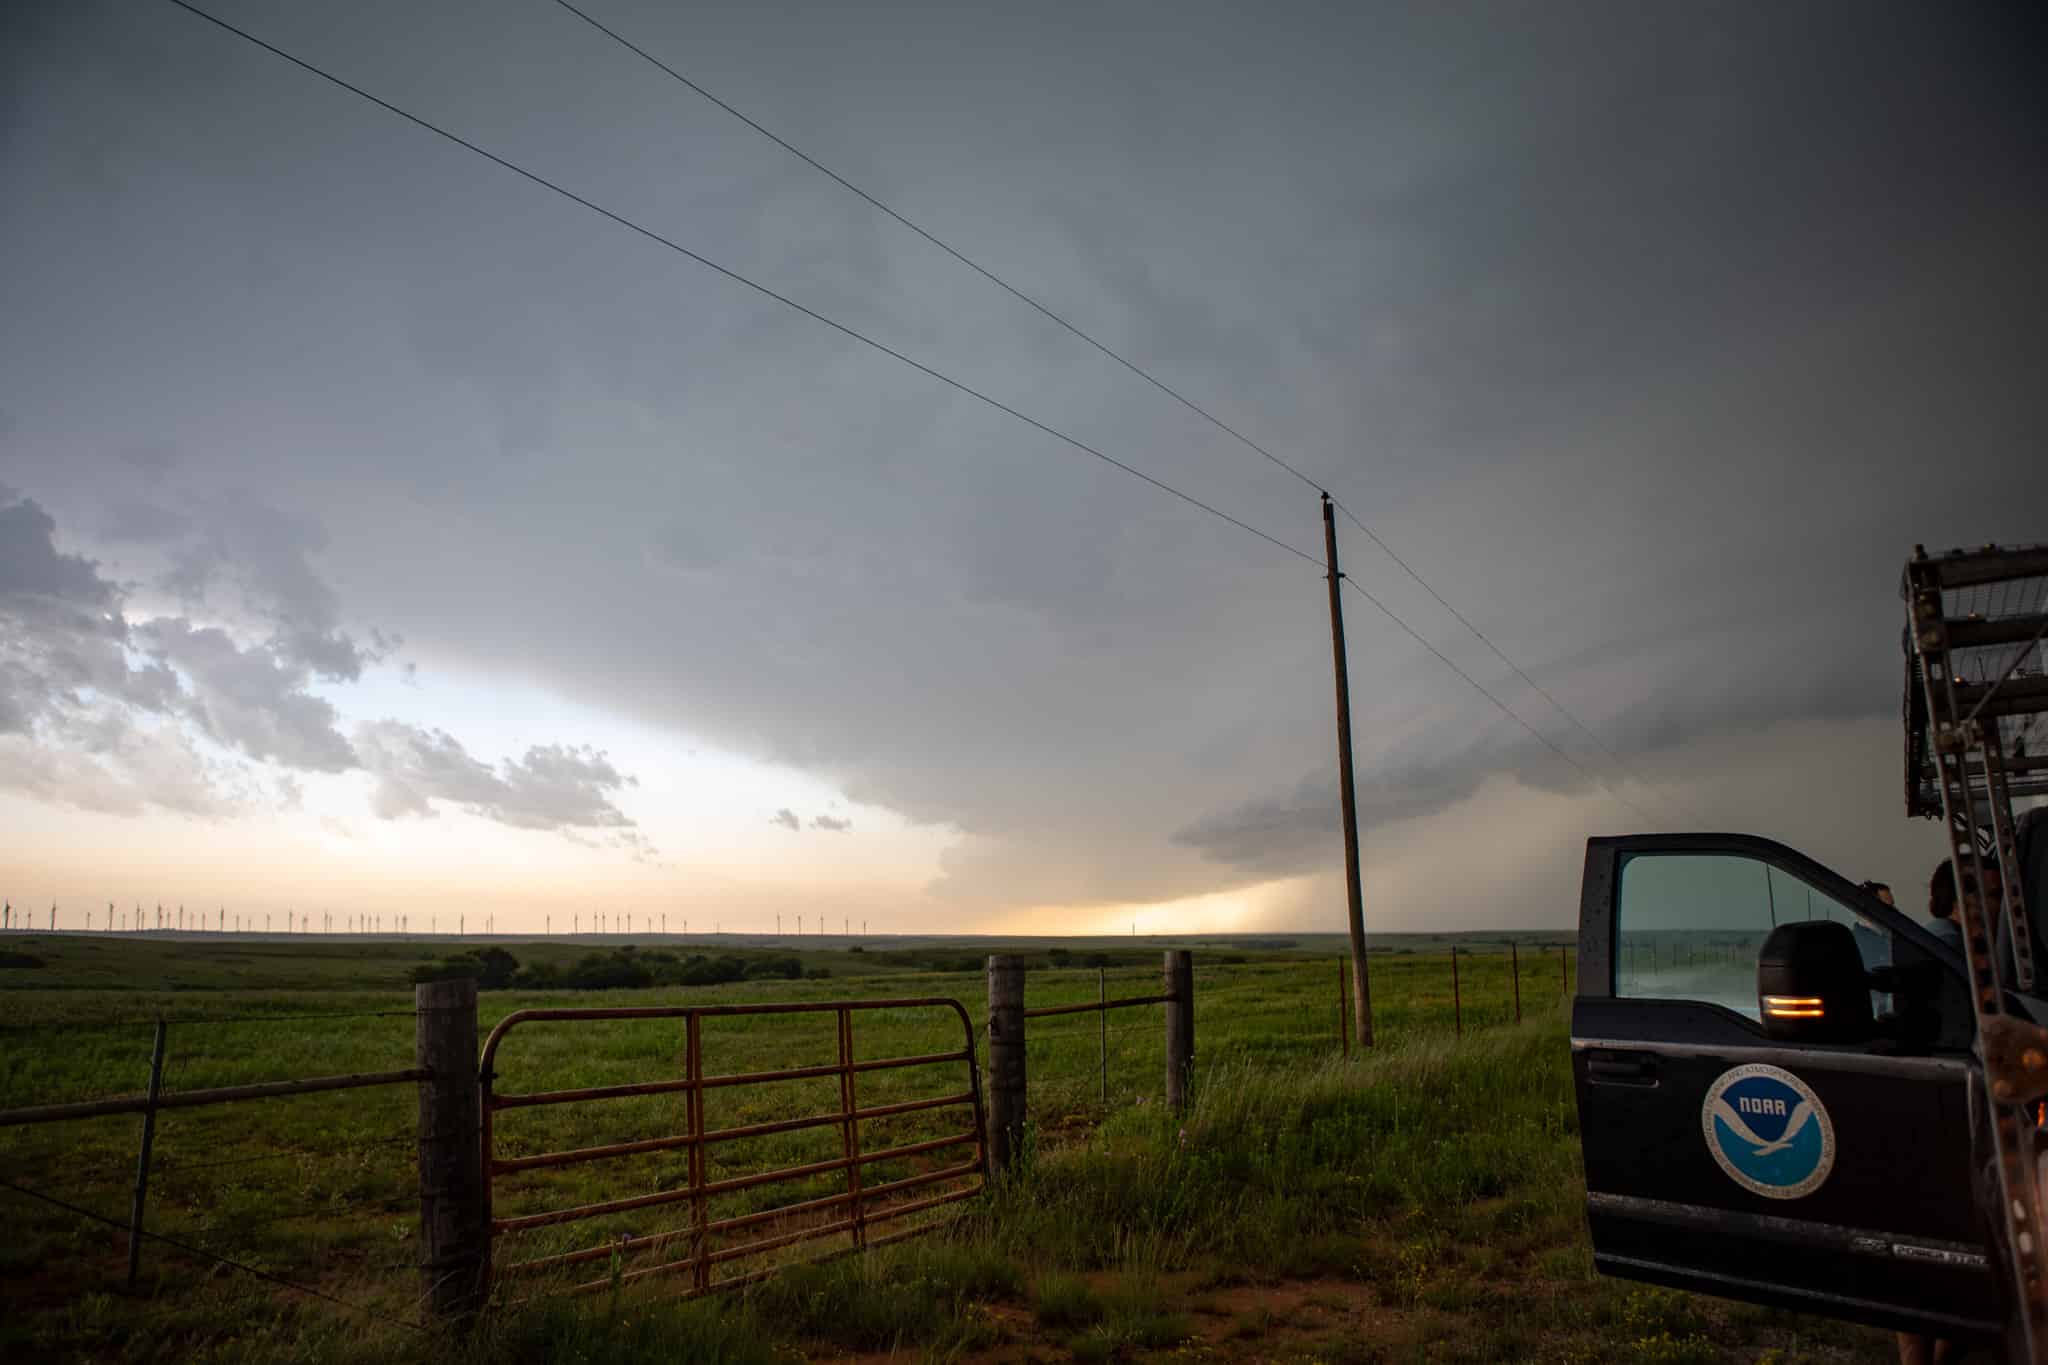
1355	896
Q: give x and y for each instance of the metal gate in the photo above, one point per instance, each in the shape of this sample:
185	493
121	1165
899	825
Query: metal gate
853	1212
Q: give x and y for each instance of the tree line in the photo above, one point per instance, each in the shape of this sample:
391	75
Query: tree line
624	968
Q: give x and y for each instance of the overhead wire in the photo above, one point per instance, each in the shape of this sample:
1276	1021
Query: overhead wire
1504	708
738	278
938	242
1112	353
875	344
1487	640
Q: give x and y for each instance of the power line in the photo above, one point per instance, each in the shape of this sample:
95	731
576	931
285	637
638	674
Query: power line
754	285
957	255
1483	638
959	385
1105	349
1505	709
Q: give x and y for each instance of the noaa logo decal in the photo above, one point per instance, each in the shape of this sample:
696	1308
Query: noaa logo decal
1768	1131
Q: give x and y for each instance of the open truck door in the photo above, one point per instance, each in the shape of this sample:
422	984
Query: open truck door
1830	1172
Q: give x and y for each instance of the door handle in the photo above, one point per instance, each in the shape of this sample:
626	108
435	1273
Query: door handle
1622	1068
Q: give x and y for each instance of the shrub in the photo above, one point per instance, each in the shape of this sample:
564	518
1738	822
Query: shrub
492	969
702	971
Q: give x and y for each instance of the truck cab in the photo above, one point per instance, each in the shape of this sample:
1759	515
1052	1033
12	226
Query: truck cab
1791	1093
1735	1146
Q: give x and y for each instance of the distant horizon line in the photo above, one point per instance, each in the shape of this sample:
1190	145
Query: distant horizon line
352	935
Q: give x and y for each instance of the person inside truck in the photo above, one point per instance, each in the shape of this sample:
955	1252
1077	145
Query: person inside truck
1941	904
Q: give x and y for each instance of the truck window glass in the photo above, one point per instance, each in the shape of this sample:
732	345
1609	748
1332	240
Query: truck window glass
1688	925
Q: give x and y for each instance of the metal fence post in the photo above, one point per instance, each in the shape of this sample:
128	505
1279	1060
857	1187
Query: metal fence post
1343	1011
156	1085
1102	998
1515	969
1005	1060
454	1210
1457	1002
1179	973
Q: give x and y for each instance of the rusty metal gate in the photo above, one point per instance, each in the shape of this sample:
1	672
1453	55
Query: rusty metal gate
859	1208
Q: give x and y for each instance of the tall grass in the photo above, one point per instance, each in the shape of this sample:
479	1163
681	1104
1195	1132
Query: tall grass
1270	1159
1275	1170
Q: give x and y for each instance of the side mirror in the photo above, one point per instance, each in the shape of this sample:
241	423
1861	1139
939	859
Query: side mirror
1811	986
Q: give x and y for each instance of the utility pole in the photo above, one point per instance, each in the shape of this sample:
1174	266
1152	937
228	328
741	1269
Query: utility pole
1347	794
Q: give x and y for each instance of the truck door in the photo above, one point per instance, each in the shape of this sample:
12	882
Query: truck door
1833	1178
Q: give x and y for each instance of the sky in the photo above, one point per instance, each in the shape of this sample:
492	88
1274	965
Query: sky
383	533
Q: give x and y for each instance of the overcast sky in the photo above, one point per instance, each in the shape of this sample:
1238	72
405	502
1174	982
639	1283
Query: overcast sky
381	531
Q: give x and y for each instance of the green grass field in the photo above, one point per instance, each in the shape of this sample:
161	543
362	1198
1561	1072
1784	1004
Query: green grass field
1422	1202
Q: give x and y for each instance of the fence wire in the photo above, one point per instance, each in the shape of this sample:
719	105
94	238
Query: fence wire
215	1258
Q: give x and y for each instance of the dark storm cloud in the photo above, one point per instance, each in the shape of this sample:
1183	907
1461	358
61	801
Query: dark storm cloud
62	638
787	819
32	568
1654	336
262	557
831	823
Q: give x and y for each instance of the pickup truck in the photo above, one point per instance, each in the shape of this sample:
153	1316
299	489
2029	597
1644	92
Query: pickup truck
1781	1090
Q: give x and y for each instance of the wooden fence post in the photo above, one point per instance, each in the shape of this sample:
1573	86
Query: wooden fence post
454	1228
1005	1060
156	1086
1179	981
1515	967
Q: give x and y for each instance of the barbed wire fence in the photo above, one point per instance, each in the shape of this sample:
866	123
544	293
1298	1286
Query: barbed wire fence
238	1212
234	1213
